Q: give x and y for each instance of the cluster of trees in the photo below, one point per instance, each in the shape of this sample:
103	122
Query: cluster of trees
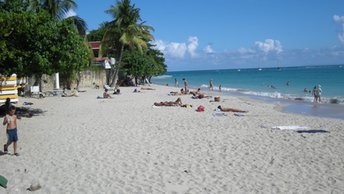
37	39
126	38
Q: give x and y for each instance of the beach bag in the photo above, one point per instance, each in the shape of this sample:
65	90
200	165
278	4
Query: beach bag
217	98
200	108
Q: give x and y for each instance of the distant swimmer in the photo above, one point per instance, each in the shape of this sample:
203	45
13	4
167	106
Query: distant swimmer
305	90
272	86
287	83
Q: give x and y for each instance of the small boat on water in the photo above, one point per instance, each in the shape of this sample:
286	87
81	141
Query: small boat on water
259	69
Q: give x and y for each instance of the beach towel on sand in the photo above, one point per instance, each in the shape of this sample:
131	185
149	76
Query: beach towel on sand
219	114
290	127
3	182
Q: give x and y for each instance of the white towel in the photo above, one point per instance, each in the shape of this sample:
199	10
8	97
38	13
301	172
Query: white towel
290	127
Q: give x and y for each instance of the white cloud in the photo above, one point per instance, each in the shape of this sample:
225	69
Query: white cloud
172	49
244	51
70	13
208	49
192	46
340	21
160	45
178	49
269	46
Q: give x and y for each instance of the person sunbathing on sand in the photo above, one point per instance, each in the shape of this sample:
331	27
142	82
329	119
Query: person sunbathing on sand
178	93
194	93
230	110
200	96
142	88
178	102
74	92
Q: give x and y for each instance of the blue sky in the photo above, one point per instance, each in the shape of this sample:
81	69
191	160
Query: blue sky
222	34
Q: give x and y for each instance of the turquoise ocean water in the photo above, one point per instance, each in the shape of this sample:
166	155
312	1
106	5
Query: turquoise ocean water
271	83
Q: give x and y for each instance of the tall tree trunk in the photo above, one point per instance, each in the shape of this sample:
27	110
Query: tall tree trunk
38	82
117	67
78	81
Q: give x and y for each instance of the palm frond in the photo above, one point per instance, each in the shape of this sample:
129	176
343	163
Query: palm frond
80	24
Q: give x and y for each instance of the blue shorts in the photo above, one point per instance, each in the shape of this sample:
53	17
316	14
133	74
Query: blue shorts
12	135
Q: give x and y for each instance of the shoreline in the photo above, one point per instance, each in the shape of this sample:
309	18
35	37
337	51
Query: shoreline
125	145
299	107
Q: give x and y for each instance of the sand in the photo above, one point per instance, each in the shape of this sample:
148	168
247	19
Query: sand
124	145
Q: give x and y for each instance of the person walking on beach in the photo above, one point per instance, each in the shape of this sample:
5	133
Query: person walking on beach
186	86
176	83
220	88
11	121
211	87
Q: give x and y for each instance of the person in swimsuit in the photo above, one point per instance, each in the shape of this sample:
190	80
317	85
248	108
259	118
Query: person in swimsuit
11	121
106	94
211	87
178	102
230	110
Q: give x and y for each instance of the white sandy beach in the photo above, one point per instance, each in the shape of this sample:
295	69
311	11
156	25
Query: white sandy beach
124	145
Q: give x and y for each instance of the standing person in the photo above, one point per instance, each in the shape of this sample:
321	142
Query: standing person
220	88
315	98
319	91
211	87
316	92
176	84
186	86
11	121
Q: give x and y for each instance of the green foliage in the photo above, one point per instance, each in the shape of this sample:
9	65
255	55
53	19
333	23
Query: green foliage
57	8
136	63
14	6
144	64
98	34
159	60
25	43
35	44
124	33
71	53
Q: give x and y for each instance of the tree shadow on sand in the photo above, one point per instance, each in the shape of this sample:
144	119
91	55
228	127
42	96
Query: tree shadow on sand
24	112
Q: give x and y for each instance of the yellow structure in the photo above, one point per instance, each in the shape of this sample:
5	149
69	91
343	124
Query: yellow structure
8	88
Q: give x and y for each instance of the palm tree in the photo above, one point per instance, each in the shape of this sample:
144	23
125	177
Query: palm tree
124	32
58	9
